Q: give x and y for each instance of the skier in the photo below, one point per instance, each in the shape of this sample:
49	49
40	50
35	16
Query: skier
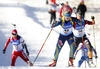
18	44
80	36
52	10
46	1
65	34
84	54
64	7
82	8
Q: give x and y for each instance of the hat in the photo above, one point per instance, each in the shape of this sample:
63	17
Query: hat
14	31
82	2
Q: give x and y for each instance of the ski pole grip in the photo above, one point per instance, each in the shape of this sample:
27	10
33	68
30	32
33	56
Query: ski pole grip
92	17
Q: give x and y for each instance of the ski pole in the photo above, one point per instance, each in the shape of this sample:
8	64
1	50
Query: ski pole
83	43
92	17
43	45
7	59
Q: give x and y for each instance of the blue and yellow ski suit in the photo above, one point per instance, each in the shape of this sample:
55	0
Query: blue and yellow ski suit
66	33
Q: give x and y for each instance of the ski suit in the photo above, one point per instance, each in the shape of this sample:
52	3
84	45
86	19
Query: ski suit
64	8
79	33
84	54
17	49
66	33
52	11
81	9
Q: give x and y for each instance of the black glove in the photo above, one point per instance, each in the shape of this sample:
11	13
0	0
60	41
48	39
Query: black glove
92	17
96	57
54	22
4	51
62	4
46	1
74	8
27	53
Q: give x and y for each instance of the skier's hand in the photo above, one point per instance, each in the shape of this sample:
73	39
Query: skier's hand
62	4
4	51
27	53
96	56
92	17
54	22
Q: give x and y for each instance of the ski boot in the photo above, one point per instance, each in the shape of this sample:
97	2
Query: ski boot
91	63
70	63
53	64
29	63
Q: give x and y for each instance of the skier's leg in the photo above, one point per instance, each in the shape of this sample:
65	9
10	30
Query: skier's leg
72	50
77	42
25	58
54	16
59	46
81	61
51	18
87	59
60	43
90	53
14	57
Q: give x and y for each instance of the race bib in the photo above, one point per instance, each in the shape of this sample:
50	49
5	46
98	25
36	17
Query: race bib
66	31
79	33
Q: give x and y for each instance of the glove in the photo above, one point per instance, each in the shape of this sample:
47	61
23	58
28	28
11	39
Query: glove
96	57
4	51
74	7
54	22
62	4
92	17
27	53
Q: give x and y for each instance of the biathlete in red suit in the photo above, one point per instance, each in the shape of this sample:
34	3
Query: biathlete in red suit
65	7
18	45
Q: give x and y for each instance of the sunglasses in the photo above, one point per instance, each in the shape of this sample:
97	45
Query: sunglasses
14	34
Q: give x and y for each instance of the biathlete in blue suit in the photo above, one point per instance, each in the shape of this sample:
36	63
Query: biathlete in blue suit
66	33
80	36
84	54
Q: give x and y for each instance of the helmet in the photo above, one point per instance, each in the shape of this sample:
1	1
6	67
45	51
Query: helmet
14	31
82	2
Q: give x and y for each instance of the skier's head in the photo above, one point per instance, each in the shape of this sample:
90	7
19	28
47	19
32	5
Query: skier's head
53	1
14	32
82	2
67	15
66	3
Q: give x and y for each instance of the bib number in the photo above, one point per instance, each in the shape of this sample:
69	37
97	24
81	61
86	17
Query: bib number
66	31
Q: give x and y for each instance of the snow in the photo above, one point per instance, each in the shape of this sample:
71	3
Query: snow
32	20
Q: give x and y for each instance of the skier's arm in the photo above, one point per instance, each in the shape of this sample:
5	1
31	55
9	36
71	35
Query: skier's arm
24	46
89	22
80	47
94	51
71	10
60	12
8	41
4	50
56	23
74	19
